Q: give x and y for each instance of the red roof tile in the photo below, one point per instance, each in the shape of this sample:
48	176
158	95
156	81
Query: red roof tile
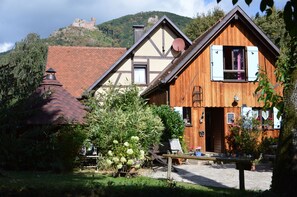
79	67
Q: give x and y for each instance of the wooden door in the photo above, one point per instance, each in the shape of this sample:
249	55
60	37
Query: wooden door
214	129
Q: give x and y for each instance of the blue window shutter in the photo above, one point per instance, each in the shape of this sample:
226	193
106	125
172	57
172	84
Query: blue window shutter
276	121
253	62
217	64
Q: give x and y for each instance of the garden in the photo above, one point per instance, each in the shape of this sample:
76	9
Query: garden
121	129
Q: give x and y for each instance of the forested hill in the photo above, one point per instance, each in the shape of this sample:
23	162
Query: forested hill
117	32
121	31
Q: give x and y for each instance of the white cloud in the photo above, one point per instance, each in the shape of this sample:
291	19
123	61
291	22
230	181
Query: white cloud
5	46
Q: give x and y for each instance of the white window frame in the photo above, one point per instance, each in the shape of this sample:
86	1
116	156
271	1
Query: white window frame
143	68
187	117
251	58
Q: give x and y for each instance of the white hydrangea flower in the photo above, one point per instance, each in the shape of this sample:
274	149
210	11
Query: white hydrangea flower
110	153
129	151
141	157
108	162
137	166
126	144
123	160
119	166
115	141
115	159
135	138
130	162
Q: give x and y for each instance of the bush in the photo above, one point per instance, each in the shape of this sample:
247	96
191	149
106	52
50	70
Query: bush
118	114
266	145
126	155
173	123
243	137
66	145
41	148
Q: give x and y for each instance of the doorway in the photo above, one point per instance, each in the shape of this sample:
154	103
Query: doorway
214	129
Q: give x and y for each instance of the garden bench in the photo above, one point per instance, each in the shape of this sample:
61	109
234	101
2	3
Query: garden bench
89	161
241	164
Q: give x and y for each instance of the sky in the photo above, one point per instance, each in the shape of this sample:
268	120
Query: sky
18	18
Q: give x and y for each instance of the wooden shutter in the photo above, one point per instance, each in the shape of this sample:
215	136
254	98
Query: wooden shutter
252	62
276	121
217	64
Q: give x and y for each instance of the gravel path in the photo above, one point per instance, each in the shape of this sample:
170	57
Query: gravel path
217	175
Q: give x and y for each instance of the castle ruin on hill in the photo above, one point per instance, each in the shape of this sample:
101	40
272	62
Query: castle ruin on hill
85	24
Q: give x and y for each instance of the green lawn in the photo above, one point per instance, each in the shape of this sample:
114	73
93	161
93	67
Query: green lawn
93	184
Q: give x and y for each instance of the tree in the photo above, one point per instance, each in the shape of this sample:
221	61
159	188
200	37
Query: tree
202	22
21	70
284	178
273	25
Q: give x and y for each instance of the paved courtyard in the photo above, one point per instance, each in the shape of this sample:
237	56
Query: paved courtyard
217	175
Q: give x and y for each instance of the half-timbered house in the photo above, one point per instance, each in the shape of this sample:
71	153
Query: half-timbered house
146	59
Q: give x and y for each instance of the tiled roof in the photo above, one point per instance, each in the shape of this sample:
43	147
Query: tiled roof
79	67
52	104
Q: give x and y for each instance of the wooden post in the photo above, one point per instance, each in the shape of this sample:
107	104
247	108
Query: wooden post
241	178
169	168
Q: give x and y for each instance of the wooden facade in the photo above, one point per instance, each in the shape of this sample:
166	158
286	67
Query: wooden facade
211	101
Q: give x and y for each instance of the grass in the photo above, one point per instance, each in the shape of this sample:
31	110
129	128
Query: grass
94	184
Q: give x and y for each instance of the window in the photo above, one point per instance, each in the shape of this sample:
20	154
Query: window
268	118
185	113
140	74
234	63
264	116
230	118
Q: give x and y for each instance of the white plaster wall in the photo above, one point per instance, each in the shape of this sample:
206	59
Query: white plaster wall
126	66
158	64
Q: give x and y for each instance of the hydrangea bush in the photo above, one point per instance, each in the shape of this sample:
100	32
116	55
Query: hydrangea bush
125	155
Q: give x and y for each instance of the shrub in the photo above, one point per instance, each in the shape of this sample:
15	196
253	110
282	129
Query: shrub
118	114
266	145
41	148
125	155
243	137
173	123
67	142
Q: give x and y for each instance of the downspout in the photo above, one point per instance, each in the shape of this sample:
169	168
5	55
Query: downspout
167	97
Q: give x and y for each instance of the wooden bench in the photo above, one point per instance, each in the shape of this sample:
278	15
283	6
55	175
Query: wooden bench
241	164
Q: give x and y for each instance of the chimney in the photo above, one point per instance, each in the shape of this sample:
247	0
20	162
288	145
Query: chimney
138	32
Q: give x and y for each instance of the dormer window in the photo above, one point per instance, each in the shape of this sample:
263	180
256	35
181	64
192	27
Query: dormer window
234	63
